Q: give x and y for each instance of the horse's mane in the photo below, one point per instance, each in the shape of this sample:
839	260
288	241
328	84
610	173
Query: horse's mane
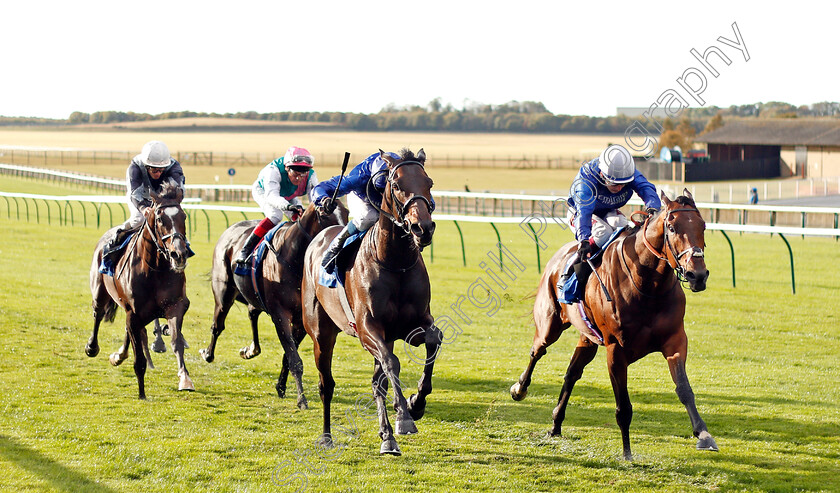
682	200
407	155
170	191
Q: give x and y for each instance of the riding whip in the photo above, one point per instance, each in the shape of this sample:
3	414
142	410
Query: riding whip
343	169
599	280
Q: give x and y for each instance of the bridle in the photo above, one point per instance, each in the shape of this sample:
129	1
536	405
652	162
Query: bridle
669	246
401	208
159	241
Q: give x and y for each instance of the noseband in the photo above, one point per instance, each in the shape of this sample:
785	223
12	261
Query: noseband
695	251
401	208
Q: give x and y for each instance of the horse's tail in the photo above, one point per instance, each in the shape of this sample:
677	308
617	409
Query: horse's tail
110	311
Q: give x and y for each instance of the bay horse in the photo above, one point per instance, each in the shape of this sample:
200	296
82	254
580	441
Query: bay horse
387	294
641	271
148	283
282	272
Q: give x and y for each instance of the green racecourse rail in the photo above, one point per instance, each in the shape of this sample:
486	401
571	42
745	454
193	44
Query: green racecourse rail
66	216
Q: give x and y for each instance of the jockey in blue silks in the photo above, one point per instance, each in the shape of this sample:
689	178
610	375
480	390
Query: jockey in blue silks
600	188
363	208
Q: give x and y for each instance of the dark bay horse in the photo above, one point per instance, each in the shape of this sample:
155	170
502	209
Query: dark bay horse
646	314
148	282
387	292
282	271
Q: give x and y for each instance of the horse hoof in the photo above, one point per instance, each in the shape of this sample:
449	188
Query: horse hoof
706	442
115	360
389	447
249	352
325	441
517	393
207	355
281	390
302	404
186	384
165	330
406	426
416	406
91	351
158	346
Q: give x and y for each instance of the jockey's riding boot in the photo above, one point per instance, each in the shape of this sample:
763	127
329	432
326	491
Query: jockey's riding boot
114	243
247	248
582	272
336	244
567	271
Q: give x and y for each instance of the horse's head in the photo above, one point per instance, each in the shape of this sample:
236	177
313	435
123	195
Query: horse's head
683	230
167	221
408	197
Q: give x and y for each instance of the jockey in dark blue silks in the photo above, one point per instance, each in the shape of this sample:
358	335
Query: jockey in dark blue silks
600	188
363	208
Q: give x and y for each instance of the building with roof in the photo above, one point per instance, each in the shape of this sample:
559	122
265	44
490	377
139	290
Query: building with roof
758	148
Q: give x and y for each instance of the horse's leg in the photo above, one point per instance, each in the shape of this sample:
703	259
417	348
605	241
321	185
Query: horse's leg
253	350
120	355
135	329
549	327
224	294
175	317
617	365
158	346
384	353
675	354
290	352
324	343
583	354
379	382
284	370
417	402
103	308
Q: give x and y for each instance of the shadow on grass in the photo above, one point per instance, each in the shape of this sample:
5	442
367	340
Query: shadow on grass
57	475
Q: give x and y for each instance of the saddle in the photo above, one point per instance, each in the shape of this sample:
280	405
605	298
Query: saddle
111	256
572	291
248	277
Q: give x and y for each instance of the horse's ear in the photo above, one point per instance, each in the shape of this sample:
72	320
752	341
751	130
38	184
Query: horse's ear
665	199
421	156
388	159
687	194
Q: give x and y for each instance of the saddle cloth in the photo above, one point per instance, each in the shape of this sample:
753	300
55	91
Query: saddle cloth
572	291
333	274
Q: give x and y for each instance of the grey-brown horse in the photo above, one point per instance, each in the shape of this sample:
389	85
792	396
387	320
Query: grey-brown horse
148	283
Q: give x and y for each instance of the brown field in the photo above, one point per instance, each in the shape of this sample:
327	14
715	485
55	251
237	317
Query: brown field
329	145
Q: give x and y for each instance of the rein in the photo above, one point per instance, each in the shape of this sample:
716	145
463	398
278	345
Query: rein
158	242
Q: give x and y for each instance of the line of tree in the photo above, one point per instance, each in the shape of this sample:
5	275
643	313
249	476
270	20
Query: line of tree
514	116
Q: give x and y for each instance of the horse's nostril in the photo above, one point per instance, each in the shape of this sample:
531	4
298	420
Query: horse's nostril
690	275
416	230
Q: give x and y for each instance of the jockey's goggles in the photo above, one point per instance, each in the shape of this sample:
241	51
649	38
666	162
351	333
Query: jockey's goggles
307	160
299	169
154	169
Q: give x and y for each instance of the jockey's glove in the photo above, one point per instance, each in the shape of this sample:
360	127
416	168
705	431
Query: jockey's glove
327	205
651	210
295	209
585	249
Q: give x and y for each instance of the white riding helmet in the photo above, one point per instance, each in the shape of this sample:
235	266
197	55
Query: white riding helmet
616	164
298	156
155	154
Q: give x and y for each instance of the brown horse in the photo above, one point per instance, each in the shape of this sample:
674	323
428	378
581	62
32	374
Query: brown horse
645	315
387	292
282	271
148	282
